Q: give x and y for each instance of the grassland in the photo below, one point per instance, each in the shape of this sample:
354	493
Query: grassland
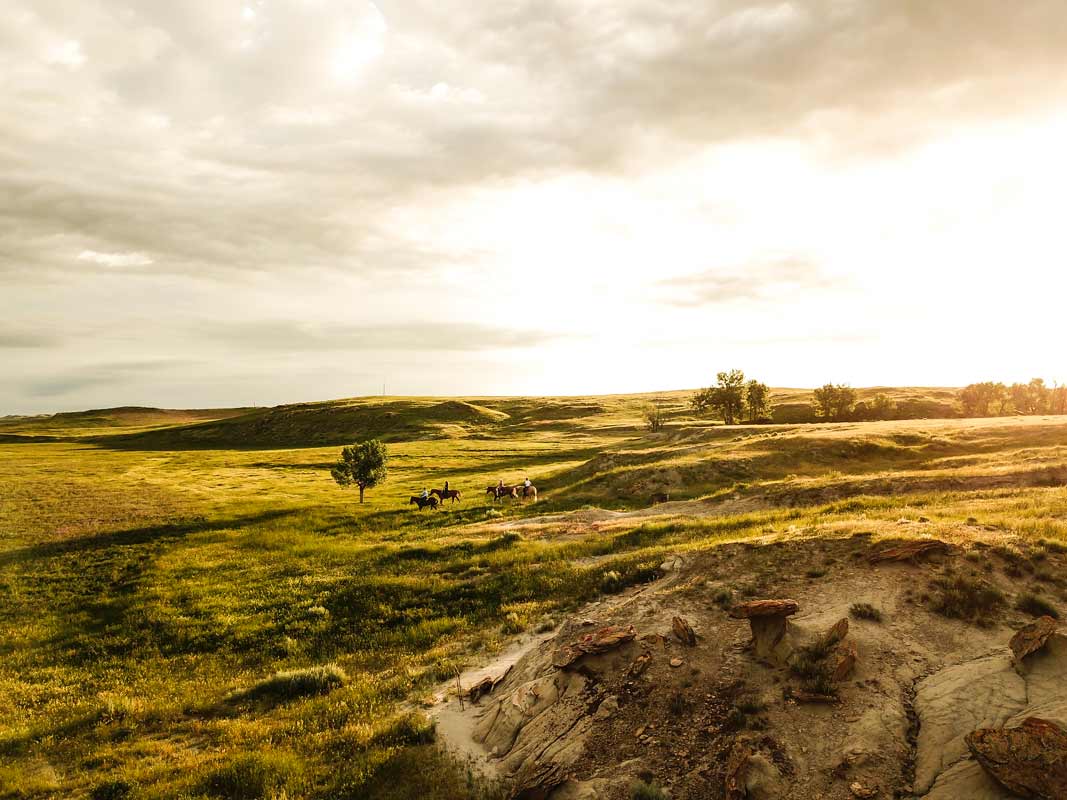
158	570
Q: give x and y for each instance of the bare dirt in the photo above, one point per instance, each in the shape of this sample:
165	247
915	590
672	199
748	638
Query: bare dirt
723	719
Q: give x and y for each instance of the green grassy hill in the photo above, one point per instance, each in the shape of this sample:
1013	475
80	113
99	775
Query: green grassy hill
406	419
159	569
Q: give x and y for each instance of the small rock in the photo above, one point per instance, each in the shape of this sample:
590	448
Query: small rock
676	662
859	790
683	631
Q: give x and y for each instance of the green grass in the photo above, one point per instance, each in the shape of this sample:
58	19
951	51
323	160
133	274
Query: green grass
145	584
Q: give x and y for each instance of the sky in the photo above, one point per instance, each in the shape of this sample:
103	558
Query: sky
215	203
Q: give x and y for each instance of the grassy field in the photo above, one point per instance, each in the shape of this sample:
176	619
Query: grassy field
159	569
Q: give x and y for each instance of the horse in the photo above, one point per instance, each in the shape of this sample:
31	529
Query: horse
500	492
528	491
451	494
659	497
422	502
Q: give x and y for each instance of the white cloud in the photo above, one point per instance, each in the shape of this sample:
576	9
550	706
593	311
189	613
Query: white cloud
115	259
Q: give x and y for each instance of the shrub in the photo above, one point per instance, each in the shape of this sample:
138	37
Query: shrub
865	611
1036	606
640	790
968	599
113	790
295	683
723	598
255	776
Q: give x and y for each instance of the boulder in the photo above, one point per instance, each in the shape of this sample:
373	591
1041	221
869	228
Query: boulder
1032	637
1029	760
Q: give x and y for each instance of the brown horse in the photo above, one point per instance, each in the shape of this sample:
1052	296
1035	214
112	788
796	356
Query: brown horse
422	502
500	492
450	494
528	492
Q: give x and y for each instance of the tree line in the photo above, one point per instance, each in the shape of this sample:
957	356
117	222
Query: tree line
994	399
736	399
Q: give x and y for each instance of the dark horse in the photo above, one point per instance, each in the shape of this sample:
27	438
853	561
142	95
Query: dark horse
446	494
500	492
422	502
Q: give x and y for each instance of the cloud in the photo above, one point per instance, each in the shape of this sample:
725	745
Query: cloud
13	338
758	281
115	259
77	380
288	336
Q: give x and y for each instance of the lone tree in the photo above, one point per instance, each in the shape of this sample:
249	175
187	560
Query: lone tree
654	418
362	465
729	396
834	402
757	400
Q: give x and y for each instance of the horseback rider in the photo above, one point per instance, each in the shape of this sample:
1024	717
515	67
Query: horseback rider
446	488
425	493
526	486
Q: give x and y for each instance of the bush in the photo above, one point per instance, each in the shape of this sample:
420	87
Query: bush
639	790
968	599
113	790
255	776
865	611
1036	606
296	683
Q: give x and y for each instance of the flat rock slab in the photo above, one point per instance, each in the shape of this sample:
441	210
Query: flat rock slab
599	641
765	608
909	551
1030	760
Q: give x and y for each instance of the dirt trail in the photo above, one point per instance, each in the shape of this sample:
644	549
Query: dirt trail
633	701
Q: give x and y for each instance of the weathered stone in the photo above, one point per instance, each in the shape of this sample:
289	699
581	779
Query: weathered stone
909	551
765	608
838	632
844	661
768	620
859	790
1032	637
1030	760
683	631
600	641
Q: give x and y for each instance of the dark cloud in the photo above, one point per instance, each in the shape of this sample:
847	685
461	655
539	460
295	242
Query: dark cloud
759	281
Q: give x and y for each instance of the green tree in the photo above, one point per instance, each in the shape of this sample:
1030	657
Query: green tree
834	402
728	396
1030	398
986	399
701	402
654	418
364	465
882	407
757	400
1057	400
